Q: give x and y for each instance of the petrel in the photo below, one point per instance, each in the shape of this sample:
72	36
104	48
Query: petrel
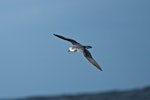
77	47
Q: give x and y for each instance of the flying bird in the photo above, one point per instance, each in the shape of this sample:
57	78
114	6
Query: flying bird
77	47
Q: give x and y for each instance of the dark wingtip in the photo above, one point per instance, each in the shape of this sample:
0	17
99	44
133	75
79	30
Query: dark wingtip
99	67
101	70
55	34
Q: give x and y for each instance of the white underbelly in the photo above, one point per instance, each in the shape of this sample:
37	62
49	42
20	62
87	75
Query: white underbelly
75	49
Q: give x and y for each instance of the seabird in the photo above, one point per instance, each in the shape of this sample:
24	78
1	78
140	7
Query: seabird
77	47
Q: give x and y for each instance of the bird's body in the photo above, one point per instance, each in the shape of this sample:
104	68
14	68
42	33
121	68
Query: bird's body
77	47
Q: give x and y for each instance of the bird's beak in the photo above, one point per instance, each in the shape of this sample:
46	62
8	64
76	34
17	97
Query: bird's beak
68	50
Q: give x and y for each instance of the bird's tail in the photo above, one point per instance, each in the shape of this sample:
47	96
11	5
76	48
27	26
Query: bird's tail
88	47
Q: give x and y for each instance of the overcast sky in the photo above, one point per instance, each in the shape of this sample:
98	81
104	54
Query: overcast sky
34	62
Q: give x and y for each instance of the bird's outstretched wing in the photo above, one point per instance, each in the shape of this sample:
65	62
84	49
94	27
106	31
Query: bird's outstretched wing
89	57
67	39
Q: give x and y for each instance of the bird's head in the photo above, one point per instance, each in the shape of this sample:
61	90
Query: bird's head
72	49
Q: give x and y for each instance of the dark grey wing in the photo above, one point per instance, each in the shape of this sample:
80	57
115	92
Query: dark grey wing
67	39
89	57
